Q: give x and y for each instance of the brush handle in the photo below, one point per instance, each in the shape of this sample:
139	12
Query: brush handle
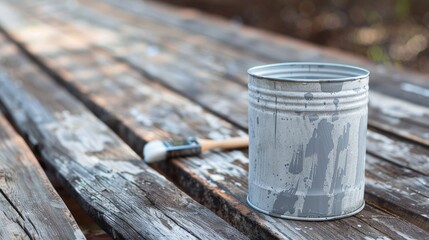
230	143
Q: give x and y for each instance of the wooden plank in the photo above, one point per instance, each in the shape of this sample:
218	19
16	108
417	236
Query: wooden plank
226	60
218	180
159	55
126	197
200	51
411	86
404	119
30	208
229	63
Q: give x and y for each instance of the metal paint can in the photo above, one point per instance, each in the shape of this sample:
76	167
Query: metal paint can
307	133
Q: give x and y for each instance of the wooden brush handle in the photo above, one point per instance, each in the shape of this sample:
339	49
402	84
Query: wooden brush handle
230	143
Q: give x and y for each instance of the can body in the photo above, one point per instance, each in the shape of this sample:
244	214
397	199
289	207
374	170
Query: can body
307	136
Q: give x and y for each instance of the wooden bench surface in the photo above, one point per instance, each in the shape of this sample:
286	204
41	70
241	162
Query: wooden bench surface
111	182
151	71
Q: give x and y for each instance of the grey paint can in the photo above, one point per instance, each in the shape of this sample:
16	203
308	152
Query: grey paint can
307	133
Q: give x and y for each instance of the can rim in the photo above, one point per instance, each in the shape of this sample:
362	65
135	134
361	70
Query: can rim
349	72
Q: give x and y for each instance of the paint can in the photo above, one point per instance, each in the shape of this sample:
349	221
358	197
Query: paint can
307	133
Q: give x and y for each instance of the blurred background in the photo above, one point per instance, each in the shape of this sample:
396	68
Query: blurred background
386	31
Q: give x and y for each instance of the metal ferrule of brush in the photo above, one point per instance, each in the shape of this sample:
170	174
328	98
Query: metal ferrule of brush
182	148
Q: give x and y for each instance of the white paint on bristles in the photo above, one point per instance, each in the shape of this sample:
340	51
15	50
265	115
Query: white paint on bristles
154	151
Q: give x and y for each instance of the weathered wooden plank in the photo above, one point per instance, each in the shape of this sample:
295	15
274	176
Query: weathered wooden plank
30	208
128	199
230	63
409	118
199	177
158	54
386	113
411	86
200	51
404	119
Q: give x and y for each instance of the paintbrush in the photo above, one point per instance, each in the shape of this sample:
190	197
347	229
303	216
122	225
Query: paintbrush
156	151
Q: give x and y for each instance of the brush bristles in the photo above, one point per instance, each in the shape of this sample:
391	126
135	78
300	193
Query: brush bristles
161	150
154	151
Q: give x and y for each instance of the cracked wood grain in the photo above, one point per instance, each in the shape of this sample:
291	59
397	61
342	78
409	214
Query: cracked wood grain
30	208
127	198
